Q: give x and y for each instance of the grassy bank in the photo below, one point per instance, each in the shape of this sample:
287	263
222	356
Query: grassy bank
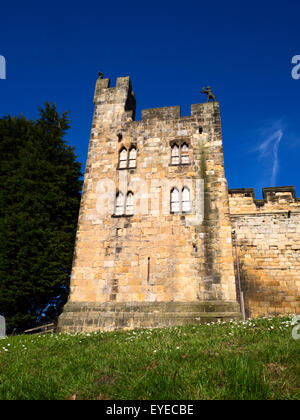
253	360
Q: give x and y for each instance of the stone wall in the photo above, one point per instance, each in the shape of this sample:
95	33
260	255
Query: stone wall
268	242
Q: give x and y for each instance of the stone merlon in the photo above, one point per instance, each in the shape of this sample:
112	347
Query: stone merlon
271	196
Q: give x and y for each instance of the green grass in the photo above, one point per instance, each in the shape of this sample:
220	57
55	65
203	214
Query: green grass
253	360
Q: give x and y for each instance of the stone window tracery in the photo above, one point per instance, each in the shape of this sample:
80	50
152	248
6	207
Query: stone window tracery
123	158
129	203
175	208
180	201
132	158
127	160
175	155
124	204
180	154
186	201
119	207
185	158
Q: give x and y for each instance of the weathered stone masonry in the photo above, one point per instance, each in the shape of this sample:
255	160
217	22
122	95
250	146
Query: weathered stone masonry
268	240
158	263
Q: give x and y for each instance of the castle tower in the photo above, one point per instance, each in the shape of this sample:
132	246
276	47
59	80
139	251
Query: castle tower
153	245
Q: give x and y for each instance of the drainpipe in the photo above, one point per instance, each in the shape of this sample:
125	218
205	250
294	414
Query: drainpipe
242	303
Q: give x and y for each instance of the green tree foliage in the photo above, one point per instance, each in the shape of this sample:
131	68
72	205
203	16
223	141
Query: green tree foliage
39	203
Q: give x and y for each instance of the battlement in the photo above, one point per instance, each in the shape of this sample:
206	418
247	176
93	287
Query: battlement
174	112
119	100
208	111
280	193
123	96
122	83
243	200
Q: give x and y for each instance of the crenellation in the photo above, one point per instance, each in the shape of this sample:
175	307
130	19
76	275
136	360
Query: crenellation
275	199
269	249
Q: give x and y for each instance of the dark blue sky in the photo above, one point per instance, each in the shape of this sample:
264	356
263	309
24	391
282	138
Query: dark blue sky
170	49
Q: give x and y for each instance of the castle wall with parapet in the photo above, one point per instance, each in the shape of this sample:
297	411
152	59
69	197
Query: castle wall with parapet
268	244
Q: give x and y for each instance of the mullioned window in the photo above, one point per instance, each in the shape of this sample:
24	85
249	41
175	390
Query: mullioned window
127	160
180	154
180	201
124	204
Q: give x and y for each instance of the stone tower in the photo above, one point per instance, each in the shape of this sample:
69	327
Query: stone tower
153	245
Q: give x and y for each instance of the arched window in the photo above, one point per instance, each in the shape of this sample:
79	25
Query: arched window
186	201
175	155
129	203
132	158
180	154
119	208
175	201
185	158
123	158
